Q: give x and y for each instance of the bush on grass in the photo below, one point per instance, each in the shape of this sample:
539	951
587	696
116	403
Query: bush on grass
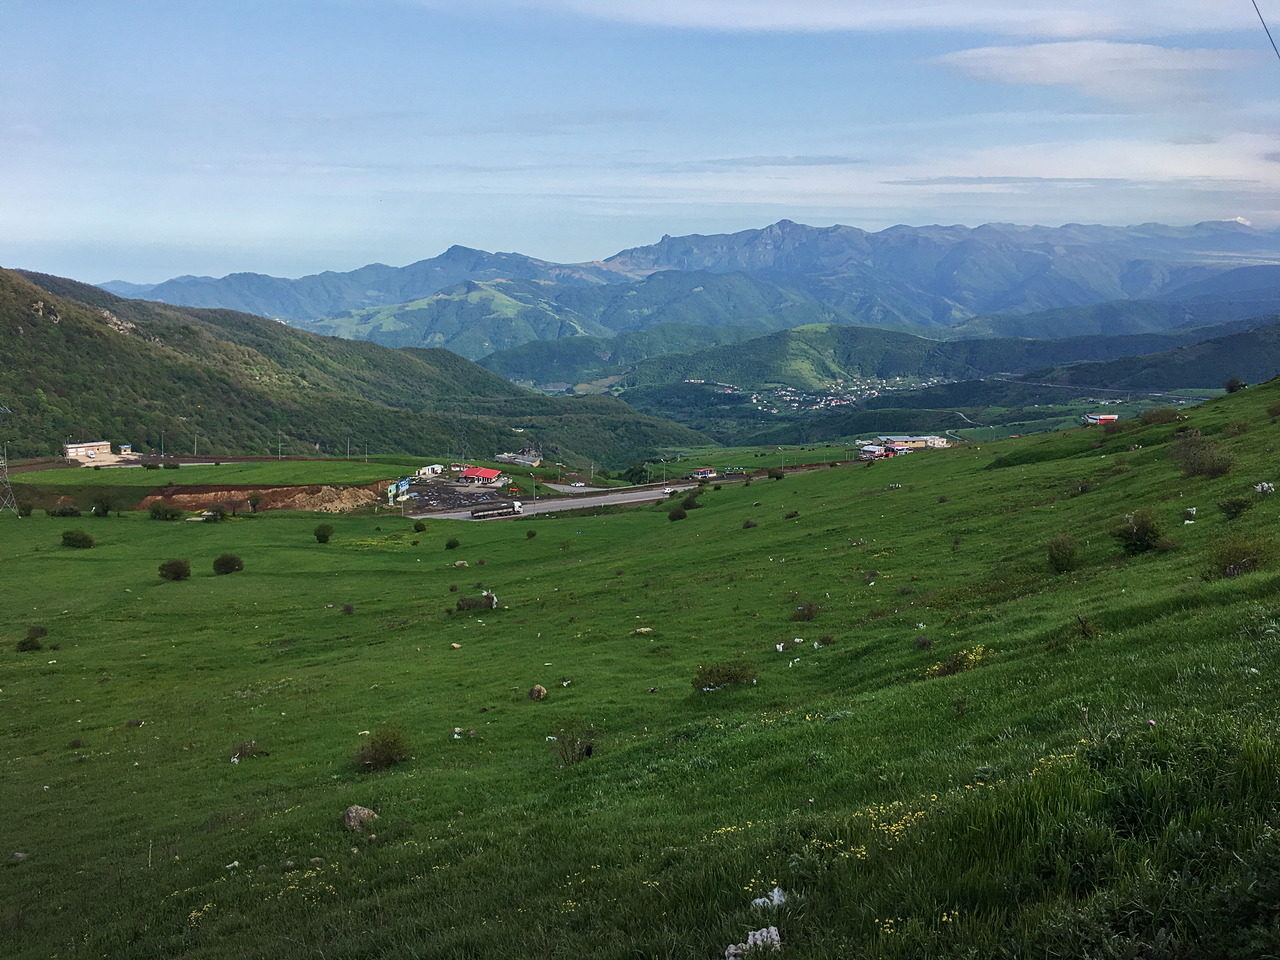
574	742
323	532
1239	553
716	676
1234	507
748	524
63	508
385	748
419	526
76	538
1159	415
227	563
1138	532
530	534
1063	553
175	570
453	543
677	514
805	611
1201	457
164	511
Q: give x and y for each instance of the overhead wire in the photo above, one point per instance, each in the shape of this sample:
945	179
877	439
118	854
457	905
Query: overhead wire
1266	28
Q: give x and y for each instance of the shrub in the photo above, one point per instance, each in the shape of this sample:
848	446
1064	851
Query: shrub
1112	427
922	642
748	524
1201	457
1236	428
959	662
792	515
1234	385
677	514
690	502
37	632
1239	553
348	609
574	742
215	514
323	532
1063	553
150	465
419	526
24	508
171	465
453	543
247	748
64	508
1233	507
776	473
175	570
28	644
805	611
164	511
102	506
255	500
1138	532
1273	411
77	538
227	563
530	534
385	748
716	676
1159	415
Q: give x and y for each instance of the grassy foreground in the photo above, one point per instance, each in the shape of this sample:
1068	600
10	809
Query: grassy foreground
1100	782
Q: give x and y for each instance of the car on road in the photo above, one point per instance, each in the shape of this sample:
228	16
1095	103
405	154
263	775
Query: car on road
577	483
668	490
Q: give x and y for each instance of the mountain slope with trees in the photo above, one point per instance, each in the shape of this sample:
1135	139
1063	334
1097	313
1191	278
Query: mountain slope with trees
82	362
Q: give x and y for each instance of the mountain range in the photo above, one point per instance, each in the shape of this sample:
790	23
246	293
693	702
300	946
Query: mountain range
910	278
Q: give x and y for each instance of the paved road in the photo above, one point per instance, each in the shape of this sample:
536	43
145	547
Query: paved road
623	495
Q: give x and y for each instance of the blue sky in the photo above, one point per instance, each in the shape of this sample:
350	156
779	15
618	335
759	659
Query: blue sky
141	140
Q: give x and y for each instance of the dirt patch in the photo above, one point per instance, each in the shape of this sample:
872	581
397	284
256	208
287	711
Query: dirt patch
317	497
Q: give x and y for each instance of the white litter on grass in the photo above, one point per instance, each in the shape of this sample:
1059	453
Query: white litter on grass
774	898
232	865
762	940
793	662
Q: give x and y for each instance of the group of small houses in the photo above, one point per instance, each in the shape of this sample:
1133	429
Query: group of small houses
895	445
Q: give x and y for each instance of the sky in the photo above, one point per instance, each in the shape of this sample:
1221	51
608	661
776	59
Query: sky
141	140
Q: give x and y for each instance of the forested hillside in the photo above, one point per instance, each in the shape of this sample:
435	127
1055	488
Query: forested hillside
84	363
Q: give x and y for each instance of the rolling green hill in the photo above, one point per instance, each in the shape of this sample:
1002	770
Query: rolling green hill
1000	701
1253	355
480	318
817	357
85	363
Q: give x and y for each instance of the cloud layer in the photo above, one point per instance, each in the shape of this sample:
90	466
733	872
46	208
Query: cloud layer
1137	73
1029	18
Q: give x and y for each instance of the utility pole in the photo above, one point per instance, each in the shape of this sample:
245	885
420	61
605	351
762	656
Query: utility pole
162	444
348	448
366	451
195	447
7	500
279	445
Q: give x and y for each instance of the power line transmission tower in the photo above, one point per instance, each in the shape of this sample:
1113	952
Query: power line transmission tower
7	500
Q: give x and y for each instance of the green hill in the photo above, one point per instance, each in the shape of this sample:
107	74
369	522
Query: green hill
818	357
85	363
480	318
865	686
1253	355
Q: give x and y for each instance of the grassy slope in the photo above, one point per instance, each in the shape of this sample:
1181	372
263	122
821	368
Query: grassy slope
900	810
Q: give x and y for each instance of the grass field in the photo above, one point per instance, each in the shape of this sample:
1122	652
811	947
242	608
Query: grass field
264	472
1101	781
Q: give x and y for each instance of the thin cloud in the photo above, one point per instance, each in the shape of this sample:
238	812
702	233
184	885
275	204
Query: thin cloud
1135	73
1003	181
1030	18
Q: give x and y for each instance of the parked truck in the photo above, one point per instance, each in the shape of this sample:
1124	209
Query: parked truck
491	511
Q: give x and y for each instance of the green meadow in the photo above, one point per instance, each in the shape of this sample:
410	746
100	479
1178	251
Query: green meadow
957	752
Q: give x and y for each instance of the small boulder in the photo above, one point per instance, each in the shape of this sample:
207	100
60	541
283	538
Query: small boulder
19	856
355	817
537	692
461	563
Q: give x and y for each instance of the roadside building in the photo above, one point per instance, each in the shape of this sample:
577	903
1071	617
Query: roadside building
1089	419
914	443
527	457
704	473
482	475
89	450
434	470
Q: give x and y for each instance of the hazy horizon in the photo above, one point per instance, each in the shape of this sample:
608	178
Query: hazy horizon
143	140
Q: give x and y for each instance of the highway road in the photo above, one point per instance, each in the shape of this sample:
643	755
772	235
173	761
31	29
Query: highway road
557	504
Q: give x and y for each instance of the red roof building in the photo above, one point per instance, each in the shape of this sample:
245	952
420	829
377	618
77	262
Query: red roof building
480	475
